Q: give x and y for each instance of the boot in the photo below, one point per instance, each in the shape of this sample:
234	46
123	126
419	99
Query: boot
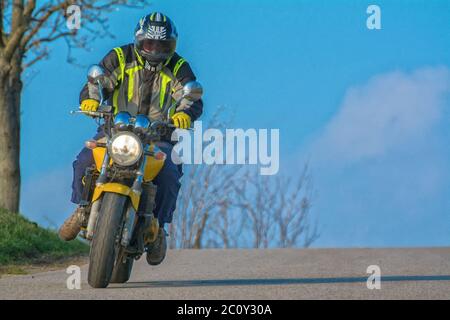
156	251
152	233
72	226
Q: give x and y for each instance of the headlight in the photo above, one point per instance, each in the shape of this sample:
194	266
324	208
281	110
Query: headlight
125	149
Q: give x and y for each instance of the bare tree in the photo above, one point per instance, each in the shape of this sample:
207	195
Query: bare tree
234	206
243	209
201	197
279	209
293	211
227	227
27	29
204	189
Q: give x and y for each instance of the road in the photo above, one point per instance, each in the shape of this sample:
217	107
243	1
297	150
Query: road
260	274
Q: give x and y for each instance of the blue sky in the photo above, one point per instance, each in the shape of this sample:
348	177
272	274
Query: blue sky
369	108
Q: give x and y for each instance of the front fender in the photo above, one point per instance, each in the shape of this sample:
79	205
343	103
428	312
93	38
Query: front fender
117	188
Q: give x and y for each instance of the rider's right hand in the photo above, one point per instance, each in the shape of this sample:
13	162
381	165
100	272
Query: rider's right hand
89	105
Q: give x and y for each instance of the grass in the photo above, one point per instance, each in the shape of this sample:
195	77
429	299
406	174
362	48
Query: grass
13	270
23	242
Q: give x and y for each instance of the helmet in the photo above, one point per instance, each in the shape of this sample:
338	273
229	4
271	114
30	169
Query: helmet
155	38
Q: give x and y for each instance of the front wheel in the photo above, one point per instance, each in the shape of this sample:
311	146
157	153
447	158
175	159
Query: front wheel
122	270
105	240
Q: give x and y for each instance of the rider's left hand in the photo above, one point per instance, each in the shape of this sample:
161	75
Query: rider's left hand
181	120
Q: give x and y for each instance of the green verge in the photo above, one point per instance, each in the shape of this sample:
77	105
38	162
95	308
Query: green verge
24	242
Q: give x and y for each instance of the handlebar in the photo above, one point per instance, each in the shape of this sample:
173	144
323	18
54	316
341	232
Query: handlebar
103	114
95	114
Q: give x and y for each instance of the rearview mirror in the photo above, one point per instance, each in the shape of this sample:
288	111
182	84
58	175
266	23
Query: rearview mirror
193	91
95	72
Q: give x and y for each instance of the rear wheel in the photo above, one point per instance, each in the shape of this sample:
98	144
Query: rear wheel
105	240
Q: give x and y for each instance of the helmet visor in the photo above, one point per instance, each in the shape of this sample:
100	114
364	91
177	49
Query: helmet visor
156	50
157	47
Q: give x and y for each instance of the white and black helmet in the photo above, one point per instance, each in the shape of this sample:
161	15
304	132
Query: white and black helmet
155	38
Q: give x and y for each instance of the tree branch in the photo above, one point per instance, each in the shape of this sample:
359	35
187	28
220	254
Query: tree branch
29	8
41	21
42	55
17	31
13	43
47	23
17	14
39	41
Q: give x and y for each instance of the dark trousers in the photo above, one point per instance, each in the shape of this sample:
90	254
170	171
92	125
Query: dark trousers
167	181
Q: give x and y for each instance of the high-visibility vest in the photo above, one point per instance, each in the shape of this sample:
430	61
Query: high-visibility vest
165	80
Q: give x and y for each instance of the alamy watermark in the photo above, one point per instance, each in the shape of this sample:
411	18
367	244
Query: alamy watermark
229	147
374	280
373	22
73	21
73	281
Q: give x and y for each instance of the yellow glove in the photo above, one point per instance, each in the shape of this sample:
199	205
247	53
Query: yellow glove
89	105
181	120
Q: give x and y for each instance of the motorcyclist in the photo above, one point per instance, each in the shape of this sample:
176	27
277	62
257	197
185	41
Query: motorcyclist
142	78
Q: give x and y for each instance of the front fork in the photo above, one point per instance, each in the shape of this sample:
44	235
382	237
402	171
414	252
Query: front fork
102	179
137	185
139	233
132	230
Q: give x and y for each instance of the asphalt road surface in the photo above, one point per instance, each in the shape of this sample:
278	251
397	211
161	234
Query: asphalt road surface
260	274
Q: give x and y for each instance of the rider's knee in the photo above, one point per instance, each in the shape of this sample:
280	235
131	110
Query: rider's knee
84	159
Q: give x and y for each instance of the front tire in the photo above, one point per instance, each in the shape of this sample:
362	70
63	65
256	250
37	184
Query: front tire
122	270
104	242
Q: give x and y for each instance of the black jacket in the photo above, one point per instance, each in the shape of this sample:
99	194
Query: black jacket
134	87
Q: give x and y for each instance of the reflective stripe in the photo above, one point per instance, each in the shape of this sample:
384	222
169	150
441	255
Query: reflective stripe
130	73
178	66
165	95
138	56
121	58
172	112
165	79
116	101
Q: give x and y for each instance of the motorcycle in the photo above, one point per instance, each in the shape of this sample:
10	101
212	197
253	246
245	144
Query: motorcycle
118	195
